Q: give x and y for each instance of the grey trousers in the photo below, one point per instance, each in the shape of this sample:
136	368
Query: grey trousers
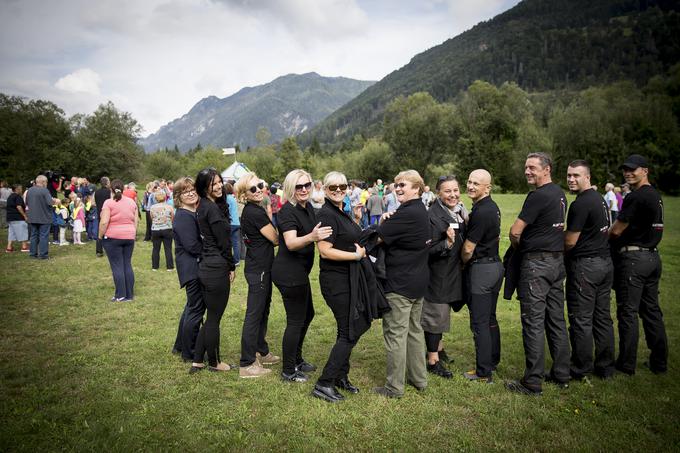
541	296
404	343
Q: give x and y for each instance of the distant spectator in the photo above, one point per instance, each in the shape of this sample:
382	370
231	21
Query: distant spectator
78	217
619	197
625	189
100	196
39	204
427	197
610	200
275	198
374	206
162	216
117	228
234	222
17	219
130	191
318	196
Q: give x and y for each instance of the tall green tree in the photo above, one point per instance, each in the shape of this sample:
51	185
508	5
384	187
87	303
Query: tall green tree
290	156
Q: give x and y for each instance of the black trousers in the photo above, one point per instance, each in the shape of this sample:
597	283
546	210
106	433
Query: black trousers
147	234
589	284
164	237
636	283
190	320
215	284
257	316
337	298
484	283
297	300
541	296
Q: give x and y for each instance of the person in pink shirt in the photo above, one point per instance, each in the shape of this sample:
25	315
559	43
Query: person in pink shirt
117	229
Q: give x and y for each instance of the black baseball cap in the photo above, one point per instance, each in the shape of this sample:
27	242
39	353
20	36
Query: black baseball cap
633	162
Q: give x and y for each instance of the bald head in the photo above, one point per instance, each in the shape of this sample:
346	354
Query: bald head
479	184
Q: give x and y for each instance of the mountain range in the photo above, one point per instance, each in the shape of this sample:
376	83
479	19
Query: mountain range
287	106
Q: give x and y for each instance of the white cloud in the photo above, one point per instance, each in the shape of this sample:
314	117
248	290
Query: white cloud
81	81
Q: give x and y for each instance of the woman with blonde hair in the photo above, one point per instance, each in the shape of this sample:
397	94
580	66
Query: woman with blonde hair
298	231
260	237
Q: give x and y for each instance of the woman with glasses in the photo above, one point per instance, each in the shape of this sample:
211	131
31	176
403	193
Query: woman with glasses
260	237
216	268
298	231
337	251
188	247
445	288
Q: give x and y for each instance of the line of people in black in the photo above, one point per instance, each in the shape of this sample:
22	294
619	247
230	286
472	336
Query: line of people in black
417	265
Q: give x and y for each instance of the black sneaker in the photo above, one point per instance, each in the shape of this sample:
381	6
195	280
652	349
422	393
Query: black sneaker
296	376
384	391
305	367
519	387
439	370
444	357
653	370
556	382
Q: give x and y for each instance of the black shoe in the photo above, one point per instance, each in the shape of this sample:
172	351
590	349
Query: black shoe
624	371
383	391
418	388
295	376
439	370
176	351
472	376
328	394
444	357
196	369
305	367
653	370
346	385
559	384
519	387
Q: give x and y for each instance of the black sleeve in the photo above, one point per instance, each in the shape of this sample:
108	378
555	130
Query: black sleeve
286	219
531	208
328	219
438	246
186	233
630	208
258	218
476	227
220	229
392	229
577	217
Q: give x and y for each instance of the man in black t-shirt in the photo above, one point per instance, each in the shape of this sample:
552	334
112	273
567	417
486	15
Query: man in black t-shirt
484	272
538	234
100	196
637	269
589	277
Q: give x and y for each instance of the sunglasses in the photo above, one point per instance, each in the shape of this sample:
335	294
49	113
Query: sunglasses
400	185
259	186
335	187
299	187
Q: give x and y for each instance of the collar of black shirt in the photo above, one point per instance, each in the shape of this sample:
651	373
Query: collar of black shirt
330	205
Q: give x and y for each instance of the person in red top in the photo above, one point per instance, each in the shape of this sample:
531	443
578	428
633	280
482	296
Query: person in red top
276	202
130	191
117	228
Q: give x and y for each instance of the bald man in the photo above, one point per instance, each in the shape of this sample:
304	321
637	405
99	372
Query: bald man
484	273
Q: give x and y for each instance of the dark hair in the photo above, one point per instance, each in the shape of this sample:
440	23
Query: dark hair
545	159
442	179
16	186
117	187
203	186
580	163
229	188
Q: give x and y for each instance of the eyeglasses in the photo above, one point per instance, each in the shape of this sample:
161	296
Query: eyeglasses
259	186
189	192
306	186
335	187
399	185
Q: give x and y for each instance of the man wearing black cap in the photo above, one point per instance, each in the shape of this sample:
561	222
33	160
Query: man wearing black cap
637	269
589	277
538	234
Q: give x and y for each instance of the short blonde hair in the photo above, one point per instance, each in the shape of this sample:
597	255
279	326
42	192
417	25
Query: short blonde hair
160	196
180	186
290	181
244	184
334	177
413	177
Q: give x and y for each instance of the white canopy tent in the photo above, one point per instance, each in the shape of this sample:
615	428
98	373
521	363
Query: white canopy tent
234	171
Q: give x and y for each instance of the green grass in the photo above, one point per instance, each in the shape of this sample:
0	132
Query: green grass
81	373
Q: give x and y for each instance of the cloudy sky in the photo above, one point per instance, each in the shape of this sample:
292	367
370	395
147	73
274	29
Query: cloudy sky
157	58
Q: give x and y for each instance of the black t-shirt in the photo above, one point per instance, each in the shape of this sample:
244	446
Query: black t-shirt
589	215
13	213
215	229
292	268
260	250
484	228
544	211
643	211
345	234
100	196
407	238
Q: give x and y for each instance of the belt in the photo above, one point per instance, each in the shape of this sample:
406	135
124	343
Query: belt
542	255
635	248
486	259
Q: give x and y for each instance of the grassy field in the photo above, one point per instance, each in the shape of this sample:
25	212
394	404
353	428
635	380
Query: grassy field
81	373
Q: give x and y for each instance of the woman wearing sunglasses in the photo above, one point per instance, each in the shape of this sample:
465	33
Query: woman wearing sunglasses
298	231
260	237
216	269
188	247
337	251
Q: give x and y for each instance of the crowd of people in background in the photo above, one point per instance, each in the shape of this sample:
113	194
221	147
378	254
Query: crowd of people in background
396	251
